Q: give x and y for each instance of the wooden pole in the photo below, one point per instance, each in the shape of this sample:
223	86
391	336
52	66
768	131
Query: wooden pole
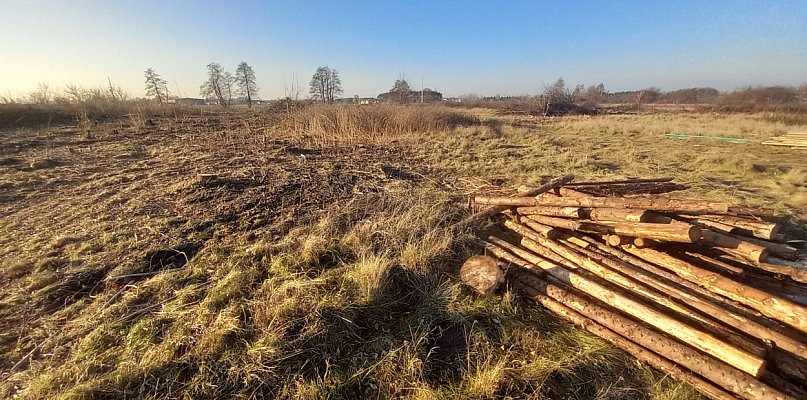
567	212
733	245
768	304
618	214
780	250
673	289
641	203
705	387
483	215
704	341
710	368
666	232
648	286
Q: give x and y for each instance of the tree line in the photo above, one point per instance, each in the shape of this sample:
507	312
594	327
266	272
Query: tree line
221	87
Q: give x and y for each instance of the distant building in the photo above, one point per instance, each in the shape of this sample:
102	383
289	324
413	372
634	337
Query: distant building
190	101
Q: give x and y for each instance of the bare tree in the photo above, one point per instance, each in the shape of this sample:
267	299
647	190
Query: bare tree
218	85
595	94
401	91
325	85
156	86
245	81
556	98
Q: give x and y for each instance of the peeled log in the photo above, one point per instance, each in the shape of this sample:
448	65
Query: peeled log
482	273
768	304
704	341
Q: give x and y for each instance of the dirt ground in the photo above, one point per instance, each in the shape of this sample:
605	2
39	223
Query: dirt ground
93	218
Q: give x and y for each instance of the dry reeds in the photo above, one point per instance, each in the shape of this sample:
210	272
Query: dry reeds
333	125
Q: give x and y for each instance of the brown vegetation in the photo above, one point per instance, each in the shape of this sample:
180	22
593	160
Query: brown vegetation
316	261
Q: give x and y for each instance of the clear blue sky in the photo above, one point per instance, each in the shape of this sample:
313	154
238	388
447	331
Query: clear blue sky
484	47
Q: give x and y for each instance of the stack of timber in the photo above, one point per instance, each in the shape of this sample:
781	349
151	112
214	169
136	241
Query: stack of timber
694	288
790	139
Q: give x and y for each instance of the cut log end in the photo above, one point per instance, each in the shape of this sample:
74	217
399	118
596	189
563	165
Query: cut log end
482	273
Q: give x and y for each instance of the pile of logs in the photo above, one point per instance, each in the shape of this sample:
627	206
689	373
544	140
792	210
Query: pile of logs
696	289
795	140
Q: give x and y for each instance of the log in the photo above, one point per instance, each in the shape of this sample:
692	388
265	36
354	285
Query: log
648	286
696	289
768	304
567	212
742	248
710	368
619	240
630	189
483	215
622	182
642	354
643	203
780	250
545	230
749	227
556	222
704	341
674	289
667	232
642	242
618	214
482	274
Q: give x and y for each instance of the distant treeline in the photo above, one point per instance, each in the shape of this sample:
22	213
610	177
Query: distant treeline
557	99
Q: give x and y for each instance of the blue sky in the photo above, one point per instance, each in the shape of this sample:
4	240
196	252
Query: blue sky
456	47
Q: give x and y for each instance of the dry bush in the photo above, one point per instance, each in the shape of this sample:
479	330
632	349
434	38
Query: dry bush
322	126
78	105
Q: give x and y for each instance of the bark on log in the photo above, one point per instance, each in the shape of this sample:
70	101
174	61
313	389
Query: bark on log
648	286
666	232
619	240
761	229
630	189
705	387
780	250
712	369
618	214
642	242
652	203
768	304
673	289
567	212
483	215
622	182
704	341
733	245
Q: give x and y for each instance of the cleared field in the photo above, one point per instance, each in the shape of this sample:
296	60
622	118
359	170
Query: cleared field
317	261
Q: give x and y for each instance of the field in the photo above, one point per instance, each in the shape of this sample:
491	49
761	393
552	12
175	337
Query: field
315	261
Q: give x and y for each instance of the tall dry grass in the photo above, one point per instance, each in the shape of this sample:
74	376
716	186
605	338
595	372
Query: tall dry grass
322	126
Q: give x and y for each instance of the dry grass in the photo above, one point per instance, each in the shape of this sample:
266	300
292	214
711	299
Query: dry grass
322	126
325	276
